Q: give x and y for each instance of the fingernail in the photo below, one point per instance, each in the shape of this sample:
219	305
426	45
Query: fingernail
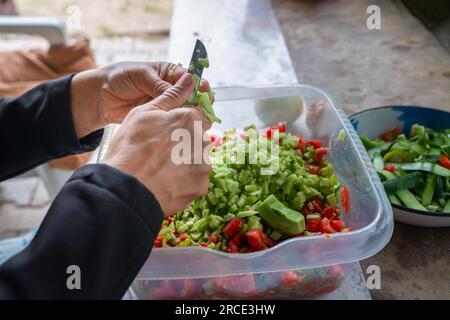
186	80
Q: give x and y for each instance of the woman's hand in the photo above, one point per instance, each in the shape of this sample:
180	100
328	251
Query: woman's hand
106	95
142	147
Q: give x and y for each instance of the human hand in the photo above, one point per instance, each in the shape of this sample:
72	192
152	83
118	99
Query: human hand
106	95
142	147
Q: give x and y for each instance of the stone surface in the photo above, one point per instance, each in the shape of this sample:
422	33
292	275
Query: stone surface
403	63
414	265
332	48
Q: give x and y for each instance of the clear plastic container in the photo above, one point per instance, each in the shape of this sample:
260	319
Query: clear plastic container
207	273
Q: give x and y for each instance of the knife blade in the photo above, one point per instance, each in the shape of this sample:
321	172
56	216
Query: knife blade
196	68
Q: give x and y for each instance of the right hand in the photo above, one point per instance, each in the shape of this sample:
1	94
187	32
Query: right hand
142	147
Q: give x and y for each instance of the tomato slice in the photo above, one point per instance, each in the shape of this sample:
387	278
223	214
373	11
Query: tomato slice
345	198
389	167
282	127
233	227
444	161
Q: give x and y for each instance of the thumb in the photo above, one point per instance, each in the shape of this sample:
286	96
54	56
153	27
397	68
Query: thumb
175	96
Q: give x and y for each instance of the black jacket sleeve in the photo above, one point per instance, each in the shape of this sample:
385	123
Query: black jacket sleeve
104	223
37	127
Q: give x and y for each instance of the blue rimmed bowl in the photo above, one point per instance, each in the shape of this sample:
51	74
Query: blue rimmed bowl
374	122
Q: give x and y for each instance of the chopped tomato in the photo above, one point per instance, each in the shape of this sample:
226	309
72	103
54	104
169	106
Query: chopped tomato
329	212
345	199
326	227
256	239
289	279
314	143
204	244
158	242
301	145
213	138
318	204
268	133
319	153
313	169
213	238
183	236
337	225
282	127
233	227
313	225
391	135
169	219
389	167
237	240
305	210
232	248
269	242
444	161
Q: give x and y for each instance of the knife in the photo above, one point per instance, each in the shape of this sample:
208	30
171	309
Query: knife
198	62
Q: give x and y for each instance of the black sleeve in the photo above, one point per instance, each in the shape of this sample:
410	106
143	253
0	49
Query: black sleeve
104	222
38	126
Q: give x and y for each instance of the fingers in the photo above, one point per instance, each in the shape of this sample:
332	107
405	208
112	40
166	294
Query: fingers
171	72
175	96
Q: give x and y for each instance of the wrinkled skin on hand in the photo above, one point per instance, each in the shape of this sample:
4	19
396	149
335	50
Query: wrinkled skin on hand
106	95
142	147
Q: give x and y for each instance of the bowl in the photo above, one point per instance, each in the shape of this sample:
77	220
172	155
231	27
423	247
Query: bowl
316	264
374	122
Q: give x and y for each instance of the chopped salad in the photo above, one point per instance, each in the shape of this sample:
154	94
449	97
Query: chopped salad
283	187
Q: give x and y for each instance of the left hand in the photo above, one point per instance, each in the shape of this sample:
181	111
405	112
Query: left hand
106	95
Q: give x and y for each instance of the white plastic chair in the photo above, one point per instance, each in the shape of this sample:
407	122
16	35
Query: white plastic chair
53	30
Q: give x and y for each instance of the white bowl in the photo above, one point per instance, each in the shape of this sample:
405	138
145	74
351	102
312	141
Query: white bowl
374	122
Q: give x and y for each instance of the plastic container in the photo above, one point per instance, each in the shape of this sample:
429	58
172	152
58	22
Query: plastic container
313	114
